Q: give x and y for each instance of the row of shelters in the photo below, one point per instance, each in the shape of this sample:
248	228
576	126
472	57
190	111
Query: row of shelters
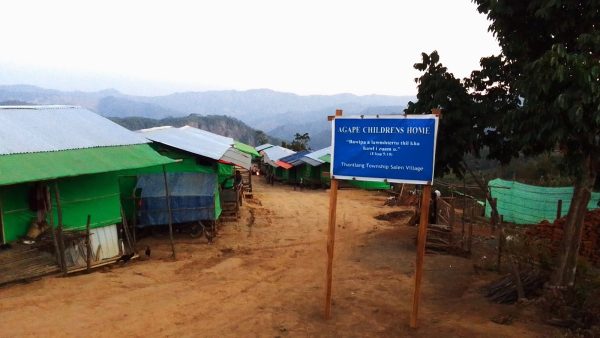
74	186
304	168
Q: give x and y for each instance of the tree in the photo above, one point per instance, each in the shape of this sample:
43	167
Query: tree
468	123
299	143
260	137
551	58
541	92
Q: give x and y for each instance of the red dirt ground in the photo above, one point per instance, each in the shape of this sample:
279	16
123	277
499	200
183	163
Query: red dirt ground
264	277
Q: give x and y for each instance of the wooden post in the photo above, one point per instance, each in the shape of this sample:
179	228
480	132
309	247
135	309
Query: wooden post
462	241
88	245
333	191
330	243
500	242
61	239
168	196
470	241
400	196
559	209
421	241
134	221
250	178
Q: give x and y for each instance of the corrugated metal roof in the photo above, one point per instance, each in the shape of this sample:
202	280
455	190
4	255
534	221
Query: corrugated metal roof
220	138
311	161
33	129
275	153
295	159
316	158
316	155
264	146
197	143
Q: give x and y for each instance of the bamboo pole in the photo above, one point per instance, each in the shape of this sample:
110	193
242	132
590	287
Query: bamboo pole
61	239
88	245
52	230
421	241
168	196
126	231
333	192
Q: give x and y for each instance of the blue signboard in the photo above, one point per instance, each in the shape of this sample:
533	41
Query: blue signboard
389	148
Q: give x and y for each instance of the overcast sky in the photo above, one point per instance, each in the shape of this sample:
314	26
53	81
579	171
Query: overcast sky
305	47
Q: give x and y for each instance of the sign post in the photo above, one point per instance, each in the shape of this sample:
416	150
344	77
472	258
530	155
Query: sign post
333	190
383	148
421	240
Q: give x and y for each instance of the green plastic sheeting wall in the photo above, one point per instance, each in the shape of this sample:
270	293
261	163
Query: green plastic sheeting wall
16	213
96	195
225	173
528	204
282	174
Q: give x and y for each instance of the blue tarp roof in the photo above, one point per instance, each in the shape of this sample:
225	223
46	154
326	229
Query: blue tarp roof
295	159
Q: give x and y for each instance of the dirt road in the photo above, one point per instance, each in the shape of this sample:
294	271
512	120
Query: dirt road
264	277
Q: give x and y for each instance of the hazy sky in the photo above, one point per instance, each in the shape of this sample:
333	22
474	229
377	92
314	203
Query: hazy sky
306	47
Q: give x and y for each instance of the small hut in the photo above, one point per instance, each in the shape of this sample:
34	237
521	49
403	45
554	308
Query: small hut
316	170
295	165
207	159
275	169
59	190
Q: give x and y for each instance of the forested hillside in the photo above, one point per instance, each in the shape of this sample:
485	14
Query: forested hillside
218	124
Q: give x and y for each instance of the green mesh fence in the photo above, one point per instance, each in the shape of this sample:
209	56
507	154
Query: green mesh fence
528	204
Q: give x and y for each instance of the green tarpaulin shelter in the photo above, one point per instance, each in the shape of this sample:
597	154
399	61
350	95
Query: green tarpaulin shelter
69	148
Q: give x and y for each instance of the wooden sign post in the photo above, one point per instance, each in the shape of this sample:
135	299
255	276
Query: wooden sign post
411	138
333	191
421	241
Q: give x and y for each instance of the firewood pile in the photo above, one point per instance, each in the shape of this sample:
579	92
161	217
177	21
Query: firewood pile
590	241
504	290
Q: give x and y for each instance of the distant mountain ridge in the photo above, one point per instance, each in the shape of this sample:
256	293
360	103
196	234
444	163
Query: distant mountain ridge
278	114
218	124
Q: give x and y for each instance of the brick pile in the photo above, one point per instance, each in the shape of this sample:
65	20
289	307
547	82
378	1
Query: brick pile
590	241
